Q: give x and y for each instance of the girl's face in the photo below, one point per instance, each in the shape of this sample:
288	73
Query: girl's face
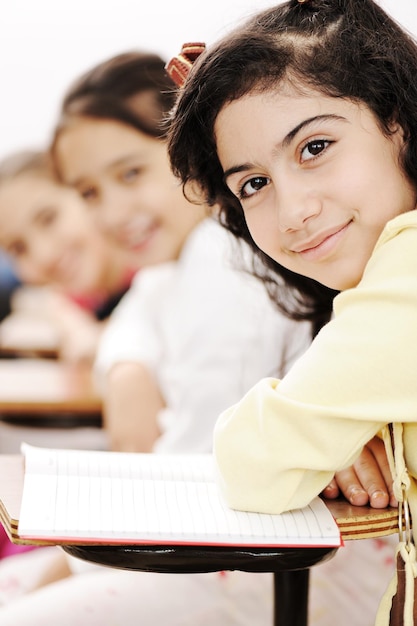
316	178
48	233
125	177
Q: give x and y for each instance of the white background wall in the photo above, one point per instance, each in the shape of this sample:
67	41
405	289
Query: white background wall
45	44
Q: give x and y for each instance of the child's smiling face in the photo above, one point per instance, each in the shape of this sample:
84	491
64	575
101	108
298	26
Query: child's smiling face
124	176
316	177
49	235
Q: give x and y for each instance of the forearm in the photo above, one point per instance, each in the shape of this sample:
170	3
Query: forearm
274	454
78	330
131	404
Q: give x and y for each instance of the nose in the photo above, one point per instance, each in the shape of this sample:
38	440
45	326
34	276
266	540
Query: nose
296	204
114	209
44	255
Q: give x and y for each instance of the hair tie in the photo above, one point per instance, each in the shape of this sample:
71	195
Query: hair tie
179	66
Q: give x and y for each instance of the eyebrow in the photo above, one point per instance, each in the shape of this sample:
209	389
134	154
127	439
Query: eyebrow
41	210
109	166
286	141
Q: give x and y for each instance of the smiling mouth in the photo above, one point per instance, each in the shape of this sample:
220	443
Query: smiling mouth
137	238
322	246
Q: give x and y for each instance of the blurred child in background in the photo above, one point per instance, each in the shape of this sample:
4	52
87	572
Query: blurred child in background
195	314
8	284
52	242
76	275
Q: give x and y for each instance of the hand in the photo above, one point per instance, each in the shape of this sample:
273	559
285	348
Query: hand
367	481
79	331
79	345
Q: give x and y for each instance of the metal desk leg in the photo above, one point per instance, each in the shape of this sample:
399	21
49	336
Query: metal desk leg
291	597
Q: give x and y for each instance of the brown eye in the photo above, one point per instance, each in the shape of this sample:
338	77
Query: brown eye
47	216
252	186
88	194
17	249
314	148
131	174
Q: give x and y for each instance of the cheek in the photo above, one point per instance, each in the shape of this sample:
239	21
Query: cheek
153	195
78	234
262	231
29	273
97	218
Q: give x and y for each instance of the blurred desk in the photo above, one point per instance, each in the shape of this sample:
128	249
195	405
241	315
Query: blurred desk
41	391
25	335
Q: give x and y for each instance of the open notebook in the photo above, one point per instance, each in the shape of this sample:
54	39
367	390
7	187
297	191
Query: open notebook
77	496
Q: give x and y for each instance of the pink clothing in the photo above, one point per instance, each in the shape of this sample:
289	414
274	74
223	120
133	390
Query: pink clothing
7	548
103	302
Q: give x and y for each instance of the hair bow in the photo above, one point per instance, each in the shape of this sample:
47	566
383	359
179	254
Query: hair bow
178	67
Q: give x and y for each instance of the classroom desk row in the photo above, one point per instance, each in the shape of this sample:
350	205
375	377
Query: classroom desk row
31	389
35	387
45	391
47	402
25	335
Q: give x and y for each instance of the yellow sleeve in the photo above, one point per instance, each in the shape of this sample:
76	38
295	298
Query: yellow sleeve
282	443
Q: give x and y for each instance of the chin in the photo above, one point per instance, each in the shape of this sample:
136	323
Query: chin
338	285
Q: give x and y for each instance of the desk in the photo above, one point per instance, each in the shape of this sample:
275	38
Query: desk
48	403
24	335
290	566
355	522
34	387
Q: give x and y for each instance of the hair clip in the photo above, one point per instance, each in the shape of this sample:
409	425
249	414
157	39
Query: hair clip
179	67
303	1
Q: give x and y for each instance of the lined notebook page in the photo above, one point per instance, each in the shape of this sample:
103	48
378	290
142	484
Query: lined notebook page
115	497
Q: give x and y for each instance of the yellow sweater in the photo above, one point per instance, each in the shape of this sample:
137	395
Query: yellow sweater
282	443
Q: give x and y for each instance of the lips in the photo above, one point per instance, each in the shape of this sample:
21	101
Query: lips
319	240
138	231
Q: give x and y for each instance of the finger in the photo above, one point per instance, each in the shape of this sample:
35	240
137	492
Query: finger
377	447
351	487
331	491
372	480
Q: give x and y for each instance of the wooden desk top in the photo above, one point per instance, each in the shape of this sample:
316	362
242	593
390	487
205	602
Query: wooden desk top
354	522
24	335
41	386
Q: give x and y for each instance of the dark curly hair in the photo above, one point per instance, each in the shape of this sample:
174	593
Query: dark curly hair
342	48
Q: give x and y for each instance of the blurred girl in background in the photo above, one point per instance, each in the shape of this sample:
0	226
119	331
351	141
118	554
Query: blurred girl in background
71	278
53	243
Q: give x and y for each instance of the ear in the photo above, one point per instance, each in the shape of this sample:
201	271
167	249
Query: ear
397	130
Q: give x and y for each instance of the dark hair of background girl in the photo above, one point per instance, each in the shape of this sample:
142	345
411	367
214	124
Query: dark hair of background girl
343	48
115	90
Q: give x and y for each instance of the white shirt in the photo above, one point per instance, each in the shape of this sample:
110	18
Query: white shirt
206	330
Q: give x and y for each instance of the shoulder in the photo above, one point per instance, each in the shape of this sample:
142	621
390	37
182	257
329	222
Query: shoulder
396	249
404	225
390	276
210	241
153	277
